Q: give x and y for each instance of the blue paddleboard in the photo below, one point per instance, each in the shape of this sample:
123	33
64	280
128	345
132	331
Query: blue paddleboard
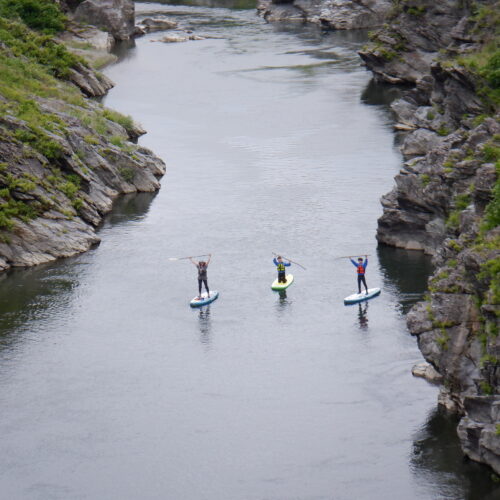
205	299
360	297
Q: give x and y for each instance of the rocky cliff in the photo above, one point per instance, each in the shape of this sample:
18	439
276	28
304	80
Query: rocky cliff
63	158
117	17
336	14
446	200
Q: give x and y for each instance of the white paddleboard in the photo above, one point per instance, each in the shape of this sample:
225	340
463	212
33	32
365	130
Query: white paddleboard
204	299
360	297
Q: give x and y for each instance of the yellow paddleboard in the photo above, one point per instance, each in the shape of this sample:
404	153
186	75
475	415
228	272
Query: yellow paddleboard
281	286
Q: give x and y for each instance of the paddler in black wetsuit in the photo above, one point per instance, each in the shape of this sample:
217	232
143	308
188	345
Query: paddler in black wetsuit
281	268
361	268
202	274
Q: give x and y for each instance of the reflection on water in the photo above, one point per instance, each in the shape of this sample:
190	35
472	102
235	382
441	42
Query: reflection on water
128	208
204	325
405	272
380	93
437	460
363	315
39	293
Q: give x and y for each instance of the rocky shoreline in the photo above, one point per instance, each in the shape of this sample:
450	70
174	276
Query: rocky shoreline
64	158
445	202
332	14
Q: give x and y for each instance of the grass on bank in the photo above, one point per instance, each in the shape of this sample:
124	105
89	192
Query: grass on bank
41	15
33	65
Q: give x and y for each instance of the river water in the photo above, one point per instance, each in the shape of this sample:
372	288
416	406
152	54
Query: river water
111	387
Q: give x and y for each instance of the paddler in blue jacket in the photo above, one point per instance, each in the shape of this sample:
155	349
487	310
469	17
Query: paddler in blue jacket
278	262
361	268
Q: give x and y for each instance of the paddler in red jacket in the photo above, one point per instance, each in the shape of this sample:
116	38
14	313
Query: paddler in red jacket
361	268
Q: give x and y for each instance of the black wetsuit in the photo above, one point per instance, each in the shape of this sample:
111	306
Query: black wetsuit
202	278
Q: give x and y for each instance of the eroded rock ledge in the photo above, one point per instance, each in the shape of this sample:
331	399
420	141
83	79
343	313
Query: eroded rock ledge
63	157
445	202
336	14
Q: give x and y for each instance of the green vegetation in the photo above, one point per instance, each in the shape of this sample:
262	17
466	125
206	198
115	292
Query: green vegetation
486	388
127	173
41	15
443	131
490	271
492	216
125	121
425	179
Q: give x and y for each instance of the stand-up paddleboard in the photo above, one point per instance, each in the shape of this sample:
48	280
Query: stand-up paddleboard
360	297
205	299
281	286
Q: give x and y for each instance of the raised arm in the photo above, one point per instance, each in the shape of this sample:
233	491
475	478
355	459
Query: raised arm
193	261
287	264
366	261
355	264
209	258
275	261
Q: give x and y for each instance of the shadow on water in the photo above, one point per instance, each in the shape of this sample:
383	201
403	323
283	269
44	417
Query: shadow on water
129	208
38	293
438	460
381	94
405	273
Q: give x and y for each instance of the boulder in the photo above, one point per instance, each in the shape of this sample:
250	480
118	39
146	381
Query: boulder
159	23
115	16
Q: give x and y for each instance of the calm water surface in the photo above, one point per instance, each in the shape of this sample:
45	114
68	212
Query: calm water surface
111	387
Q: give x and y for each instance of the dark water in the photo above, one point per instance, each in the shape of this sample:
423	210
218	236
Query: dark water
112	387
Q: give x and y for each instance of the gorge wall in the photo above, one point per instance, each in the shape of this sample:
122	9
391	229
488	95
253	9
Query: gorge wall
446	201
63	157
335	14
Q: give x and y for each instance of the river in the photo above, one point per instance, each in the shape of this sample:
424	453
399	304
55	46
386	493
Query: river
111	387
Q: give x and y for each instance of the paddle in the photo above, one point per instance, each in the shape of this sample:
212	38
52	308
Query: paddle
185	258
351	256
289	260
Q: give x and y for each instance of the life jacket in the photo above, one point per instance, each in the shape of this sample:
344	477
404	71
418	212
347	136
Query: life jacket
361	269
281	267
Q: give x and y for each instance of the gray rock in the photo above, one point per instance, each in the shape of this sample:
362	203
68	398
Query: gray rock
66	221
150	24
427	371
115	16
419	142
336	14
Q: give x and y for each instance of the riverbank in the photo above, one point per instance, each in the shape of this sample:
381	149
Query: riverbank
65	158
447	197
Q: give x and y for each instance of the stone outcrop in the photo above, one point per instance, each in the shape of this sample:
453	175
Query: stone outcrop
64	158
336	14
93	44
115	16
72	194
439	203
151	24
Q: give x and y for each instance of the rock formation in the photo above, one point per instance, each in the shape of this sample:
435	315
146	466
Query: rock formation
115	16
63	158
337	14
446	201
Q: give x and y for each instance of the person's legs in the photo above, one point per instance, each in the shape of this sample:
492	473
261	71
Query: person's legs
363	279
281	278
199	288
360	278
206	286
